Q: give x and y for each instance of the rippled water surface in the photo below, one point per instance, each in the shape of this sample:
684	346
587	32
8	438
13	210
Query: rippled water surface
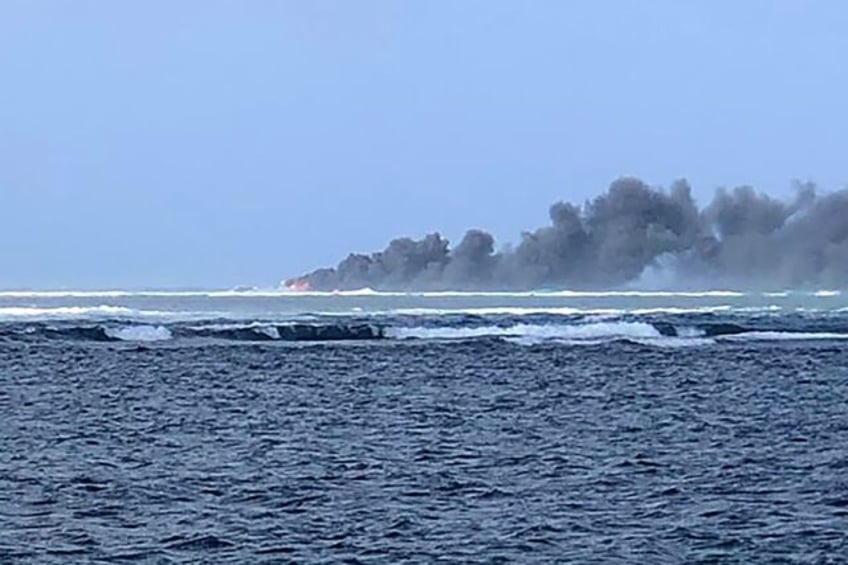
485	447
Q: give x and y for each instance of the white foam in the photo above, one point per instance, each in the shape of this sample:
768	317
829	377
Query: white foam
664	342
361	292
689	332
530	341
64	293
501	311
255	325
674	342
285	292
270	331
783	336
141	333
29	312
520	294
827	293
236	293
547	331
552	310
35	313
652	293
769	308
678	310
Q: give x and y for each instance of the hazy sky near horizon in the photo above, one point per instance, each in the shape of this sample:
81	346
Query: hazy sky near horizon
202	143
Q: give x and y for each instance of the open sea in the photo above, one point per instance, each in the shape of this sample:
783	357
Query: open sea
363	427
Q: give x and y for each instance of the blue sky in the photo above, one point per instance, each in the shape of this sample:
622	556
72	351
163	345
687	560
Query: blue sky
201	143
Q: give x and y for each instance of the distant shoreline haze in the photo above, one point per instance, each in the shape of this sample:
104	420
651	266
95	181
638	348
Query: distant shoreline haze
632	235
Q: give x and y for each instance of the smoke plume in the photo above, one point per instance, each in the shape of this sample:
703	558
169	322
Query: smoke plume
742	239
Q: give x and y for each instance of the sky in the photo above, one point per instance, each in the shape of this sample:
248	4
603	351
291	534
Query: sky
201	143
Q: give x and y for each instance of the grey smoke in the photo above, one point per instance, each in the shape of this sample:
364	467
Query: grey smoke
742	238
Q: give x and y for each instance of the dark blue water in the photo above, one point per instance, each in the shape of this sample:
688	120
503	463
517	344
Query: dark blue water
469	450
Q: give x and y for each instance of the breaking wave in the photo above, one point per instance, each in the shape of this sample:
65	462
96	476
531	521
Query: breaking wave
64	312
369	292
787	335
827	293
100	312
557	311
665	334
233	332
524	294
140	333
683	324
541	331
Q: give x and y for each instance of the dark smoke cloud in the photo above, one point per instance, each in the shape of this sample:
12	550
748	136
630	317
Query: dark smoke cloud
742	238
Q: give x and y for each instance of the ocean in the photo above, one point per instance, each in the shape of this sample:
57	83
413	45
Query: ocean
365	427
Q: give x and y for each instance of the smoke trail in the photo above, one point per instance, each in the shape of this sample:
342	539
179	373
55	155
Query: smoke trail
742	238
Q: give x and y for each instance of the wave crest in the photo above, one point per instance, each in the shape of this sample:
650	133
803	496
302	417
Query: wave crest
543	331
140	333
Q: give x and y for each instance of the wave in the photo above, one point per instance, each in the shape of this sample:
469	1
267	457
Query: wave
104	312
286	332
662	342
760	335
625	293
653	333
543	331
522	294
31	312
827	293
234	332
140	333
578	331
96	313
557	311
585	334
35	294
670	331
94	333
370	292
502	311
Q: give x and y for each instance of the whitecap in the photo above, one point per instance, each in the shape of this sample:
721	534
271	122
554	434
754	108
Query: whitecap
100	312
140	333
784	336
270	331
674	342
542	331
827	293
30	312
